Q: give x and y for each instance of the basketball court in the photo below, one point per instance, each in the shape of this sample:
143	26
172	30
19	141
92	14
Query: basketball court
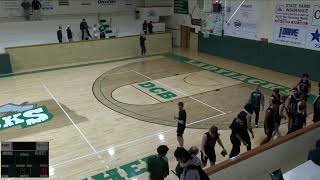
104	120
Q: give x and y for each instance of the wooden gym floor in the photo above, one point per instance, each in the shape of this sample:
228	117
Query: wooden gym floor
107	118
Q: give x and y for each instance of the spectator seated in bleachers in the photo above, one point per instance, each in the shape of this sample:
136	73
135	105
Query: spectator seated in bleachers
314	155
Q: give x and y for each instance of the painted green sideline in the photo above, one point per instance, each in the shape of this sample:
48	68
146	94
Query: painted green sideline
72	66
234	75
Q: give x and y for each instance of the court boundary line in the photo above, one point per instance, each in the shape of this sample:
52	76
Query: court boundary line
70	119
133	141
201	102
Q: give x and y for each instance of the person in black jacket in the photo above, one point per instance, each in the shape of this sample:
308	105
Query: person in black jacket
26	9
239	134
150	27
142	45
145	27
36	7
59	34
84	28
69	34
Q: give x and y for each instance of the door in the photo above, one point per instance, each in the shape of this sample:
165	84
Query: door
184	36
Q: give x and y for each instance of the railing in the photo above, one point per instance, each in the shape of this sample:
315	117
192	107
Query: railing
262	149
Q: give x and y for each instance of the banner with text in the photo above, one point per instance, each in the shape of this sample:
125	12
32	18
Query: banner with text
46	4
242	19
181	7
297	23
10	4
106	3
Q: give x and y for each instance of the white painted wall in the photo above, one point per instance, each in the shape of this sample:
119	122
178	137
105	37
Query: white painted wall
17	33
75	7
175	21
39	32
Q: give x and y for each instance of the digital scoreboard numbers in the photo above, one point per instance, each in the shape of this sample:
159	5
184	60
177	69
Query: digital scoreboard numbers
24	159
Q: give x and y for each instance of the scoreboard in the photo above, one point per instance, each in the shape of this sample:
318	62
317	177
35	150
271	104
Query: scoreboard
24	159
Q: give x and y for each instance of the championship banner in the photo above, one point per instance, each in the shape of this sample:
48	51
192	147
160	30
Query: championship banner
242	19
106	3
10	4
46	4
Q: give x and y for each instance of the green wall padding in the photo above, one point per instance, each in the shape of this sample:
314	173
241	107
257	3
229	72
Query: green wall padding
285	59
5	64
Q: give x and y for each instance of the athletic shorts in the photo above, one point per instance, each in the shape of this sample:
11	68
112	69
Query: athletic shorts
211	156
180	131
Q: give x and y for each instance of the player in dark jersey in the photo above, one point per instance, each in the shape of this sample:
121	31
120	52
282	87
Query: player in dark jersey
239	134
181	119
304	86
292	106
271	115
256	100
299	120
275	96
316	108
208	146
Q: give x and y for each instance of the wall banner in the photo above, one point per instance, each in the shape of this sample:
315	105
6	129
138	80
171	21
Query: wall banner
297	23
46	4
10	4
242	21
105	3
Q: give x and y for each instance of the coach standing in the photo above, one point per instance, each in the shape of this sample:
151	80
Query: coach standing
36	7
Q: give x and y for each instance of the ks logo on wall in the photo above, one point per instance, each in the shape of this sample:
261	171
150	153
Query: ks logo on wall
24	114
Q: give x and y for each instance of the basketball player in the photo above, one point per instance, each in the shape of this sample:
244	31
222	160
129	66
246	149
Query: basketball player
299	120
282	115
257	100
292	106
248	110
304	86
142	45
275	96
181	120
316	108
208	144
239	134
269	121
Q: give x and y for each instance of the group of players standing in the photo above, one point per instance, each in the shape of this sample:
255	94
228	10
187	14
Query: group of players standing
292	107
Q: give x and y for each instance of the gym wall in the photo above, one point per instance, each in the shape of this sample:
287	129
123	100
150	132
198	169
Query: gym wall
36	57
